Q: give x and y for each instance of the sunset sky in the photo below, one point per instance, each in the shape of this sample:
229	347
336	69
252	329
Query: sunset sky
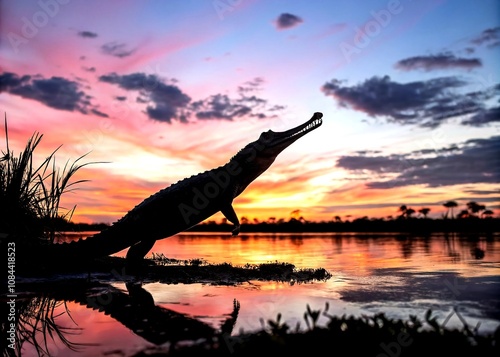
161	90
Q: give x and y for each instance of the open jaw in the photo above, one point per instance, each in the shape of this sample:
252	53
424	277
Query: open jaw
292	135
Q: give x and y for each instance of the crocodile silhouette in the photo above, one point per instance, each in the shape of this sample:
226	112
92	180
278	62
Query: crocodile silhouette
184	204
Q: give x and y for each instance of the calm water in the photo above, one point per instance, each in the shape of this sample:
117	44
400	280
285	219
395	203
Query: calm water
456	278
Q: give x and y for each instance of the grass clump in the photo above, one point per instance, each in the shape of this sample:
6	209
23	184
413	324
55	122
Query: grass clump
161	259
30	194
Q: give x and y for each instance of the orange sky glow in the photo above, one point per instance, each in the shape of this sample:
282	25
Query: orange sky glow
72	81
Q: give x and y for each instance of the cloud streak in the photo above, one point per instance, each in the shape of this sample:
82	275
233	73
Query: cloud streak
87	34
436	62
475	161
484	117
489	37
166	101
221	106
427	103
116	49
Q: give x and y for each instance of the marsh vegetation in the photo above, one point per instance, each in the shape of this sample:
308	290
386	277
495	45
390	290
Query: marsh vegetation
31	215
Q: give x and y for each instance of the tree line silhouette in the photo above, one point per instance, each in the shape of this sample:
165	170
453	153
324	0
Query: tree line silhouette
474	217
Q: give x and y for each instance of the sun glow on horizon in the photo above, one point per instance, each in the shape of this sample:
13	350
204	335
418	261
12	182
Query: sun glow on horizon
159	101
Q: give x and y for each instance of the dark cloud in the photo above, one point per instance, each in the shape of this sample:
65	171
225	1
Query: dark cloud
482	192
116	49
440	61
221	106
167	101
88	69
134	81
251	86
484	117
55	92
286	21
365	152
490	37
99	113
10	80
121	98
405	103
426	103
475	161
87	34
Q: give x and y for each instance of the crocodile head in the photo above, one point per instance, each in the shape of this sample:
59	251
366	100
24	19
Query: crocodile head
256	157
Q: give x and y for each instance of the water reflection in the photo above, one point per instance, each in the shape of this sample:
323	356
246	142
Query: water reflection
477	253
135	309
36	324
406	245
399	274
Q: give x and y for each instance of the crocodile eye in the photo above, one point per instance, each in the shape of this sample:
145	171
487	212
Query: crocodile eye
266	136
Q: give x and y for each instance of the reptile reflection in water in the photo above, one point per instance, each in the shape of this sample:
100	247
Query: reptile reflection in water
137	311
134	309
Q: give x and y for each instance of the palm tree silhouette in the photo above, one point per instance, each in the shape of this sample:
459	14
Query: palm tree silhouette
409	212
450	205
424	211
488	213
403	210
474	208
406	211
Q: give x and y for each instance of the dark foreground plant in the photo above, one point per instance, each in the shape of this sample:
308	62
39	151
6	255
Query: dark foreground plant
376	335
30	194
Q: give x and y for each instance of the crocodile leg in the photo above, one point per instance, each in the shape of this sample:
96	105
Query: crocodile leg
138	251
230	214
